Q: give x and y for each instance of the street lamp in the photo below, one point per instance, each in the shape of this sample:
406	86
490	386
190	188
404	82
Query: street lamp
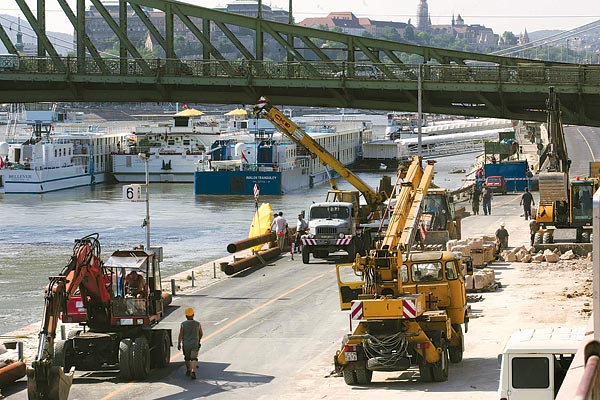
146	158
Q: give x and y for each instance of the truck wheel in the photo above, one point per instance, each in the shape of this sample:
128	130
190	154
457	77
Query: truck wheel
440	368
349	376
141	358
305	255
537	238
585	237
161	356
456	352
363	375
547	238
125	347
62	350
425	372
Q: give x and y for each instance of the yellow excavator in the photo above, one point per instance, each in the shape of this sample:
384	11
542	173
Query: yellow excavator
409	307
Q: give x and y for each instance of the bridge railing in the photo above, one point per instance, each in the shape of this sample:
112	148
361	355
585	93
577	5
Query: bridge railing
522	73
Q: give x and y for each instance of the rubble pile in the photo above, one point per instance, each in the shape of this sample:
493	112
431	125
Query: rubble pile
527	254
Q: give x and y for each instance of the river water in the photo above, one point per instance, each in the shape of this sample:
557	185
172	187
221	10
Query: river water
37	231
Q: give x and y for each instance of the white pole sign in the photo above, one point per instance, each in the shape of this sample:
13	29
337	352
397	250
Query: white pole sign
132	193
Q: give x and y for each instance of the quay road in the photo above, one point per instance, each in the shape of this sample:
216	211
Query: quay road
271	333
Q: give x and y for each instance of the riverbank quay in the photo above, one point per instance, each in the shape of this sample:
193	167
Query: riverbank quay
272	331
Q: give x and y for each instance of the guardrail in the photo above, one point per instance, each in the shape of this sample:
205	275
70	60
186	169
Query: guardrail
522	73
589	386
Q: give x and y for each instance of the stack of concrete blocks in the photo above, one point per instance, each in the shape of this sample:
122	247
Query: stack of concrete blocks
481	253
480	280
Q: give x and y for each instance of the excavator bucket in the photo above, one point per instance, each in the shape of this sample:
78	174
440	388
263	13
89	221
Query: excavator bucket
48	382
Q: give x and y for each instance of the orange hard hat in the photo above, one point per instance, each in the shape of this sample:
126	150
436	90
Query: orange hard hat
189	312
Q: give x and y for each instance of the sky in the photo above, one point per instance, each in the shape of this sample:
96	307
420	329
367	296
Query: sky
507	15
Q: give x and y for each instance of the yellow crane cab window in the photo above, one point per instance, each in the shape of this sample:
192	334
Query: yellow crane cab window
427	272
451	271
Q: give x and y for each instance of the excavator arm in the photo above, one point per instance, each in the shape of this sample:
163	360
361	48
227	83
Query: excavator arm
301	138
46	380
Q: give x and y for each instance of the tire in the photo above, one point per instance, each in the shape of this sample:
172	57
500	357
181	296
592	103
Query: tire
161	356
425	372
140	358
363	375
547	238
585	237
349	376
537	238
439	370
305	255
456	352
62	351
351	250
125	358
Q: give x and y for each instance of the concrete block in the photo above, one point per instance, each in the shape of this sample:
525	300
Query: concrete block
509	256
526	258
451	244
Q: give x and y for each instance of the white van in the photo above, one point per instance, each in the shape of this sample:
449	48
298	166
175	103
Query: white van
535	362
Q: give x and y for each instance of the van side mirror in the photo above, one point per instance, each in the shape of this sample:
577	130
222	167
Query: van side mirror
499	360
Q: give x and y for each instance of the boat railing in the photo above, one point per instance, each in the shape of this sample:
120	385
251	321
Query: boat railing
441	149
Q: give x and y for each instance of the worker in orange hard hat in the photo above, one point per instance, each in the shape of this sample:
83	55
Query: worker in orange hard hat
190	334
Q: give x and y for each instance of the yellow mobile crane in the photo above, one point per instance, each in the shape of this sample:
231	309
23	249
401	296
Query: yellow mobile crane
339	223
410	307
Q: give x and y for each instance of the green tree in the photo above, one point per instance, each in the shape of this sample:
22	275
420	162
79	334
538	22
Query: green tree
390	33
509	38
409	34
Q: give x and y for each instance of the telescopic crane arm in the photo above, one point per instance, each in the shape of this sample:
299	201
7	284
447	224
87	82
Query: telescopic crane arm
558	157
295	133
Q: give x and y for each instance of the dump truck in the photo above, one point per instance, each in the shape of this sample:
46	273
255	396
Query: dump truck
342	221
119	302
408	308
564	203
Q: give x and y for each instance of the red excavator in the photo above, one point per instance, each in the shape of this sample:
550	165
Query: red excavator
118	302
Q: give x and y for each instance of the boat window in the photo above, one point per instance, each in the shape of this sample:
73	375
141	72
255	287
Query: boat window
55	152
186	142
427	272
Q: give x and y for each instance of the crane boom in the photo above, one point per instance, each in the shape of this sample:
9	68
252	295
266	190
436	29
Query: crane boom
295	133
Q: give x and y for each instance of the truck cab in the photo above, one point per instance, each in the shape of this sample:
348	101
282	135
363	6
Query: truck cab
535	361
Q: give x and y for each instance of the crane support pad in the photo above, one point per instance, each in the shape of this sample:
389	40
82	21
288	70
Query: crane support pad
406	307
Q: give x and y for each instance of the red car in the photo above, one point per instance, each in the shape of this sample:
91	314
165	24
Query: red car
496	183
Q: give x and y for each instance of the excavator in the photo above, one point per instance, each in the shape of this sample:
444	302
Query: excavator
342	222
563	204
409	306
118	314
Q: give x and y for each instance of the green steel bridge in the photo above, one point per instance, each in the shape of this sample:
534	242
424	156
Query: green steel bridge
317	68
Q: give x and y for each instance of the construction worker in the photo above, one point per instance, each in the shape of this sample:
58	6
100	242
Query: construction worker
190	334
135	285
501	239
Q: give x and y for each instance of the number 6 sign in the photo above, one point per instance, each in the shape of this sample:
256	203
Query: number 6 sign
132	193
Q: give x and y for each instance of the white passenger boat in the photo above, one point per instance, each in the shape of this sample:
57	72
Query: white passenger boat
176	147
57	161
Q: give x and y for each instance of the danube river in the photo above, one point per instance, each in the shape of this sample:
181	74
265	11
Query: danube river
37	231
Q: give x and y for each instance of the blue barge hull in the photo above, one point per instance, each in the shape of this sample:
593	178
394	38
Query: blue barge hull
237	182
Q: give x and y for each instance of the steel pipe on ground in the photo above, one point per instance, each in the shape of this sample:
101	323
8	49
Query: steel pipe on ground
251	242
12	372
251	261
